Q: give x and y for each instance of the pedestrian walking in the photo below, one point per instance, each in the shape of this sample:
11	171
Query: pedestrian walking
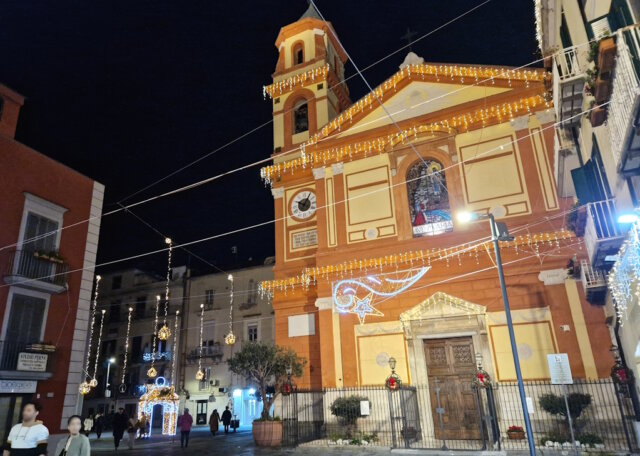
29	438
75	444
132	429
88	425
120	424
226	419
98	423
184	423
214	422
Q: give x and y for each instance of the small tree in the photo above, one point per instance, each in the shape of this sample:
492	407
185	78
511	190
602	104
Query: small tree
554	405
266	365
347	410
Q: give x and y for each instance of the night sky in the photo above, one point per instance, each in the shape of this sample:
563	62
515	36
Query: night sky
127	92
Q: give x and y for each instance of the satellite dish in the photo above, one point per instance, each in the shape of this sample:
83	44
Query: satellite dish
498	211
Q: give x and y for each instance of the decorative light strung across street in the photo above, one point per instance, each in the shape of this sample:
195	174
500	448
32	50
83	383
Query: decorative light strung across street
164	333
230	338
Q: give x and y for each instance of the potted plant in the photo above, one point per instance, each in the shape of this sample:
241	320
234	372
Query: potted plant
267	366
515	433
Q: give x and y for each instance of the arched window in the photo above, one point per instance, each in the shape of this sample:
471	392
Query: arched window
428	199
298	54
300	117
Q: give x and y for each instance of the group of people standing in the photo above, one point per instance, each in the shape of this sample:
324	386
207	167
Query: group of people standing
30	437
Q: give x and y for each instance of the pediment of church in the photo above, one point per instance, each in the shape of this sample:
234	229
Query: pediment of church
440	305
419	98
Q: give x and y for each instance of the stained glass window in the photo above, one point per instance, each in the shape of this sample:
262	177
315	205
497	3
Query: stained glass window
428	199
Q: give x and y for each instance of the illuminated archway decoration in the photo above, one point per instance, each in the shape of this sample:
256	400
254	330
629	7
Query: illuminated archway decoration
160	394
357	295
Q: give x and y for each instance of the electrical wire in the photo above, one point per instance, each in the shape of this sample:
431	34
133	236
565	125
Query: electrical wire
269	222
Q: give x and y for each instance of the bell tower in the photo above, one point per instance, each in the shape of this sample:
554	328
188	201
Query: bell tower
308	87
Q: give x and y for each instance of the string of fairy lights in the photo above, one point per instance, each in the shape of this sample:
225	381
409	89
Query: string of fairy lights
230	338
164	333
126	346
84	386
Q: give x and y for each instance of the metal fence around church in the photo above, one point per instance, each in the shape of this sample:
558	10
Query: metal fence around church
407	418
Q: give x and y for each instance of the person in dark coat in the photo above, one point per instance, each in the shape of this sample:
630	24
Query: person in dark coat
214	422
120	424
226	419
98	424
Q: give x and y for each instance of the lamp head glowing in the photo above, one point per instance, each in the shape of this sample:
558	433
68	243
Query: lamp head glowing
466	217
112	360
167	240
629	217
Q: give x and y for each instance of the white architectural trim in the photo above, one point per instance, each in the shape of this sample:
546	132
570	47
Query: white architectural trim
324	303
337	168
520	123
277	192
72	399
318	173
545	117
35	204
553	276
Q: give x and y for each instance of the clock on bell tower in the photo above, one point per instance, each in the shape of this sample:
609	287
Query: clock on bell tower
308	87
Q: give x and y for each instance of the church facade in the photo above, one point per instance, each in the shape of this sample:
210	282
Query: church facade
371	261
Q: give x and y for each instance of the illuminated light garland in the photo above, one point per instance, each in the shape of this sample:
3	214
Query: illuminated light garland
624	278
94	382
126	346
175	349
347	152
200	374
84	387
165	396
454	73
287	84
423	257
152	372
345	291
164	333
230	338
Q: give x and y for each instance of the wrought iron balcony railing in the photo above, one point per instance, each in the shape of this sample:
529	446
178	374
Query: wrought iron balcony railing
39	267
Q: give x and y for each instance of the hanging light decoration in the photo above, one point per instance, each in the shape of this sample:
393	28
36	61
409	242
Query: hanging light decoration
94	382
84	387
174	352
164	333
230	338
152	372
126	346
200	373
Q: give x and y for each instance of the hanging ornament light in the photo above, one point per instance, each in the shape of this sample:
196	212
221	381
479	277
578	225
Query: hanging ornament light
230	338
174	352
94	382
152	372
126	346
84	387
200	374
164	333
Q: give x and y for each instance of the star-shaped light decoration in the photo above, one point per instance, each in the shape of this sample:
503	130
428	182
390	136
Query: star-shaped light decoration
363	307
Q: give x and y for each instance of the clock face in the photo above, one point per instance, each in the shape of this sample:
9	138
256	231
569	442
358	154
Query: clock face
303	204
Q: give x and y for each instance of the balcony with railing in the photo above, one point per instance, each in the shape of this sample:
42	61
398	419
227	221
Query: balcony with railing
214	352
36	271
602	235
568	84
622	118
24	361
594	283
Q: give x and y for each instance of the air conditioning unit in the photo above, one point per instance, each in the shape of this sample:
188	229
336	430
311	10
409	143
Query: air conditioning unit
222	390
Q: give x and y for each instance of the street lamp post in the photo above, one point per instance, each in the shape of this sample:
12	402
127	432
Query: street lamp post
499	233
107	392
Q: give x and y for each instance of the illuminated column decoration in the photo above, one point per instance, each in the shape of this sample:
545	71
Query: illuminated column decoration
126	346
85	387
174	354
230	338
151	373
94	382
200	373
164	333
